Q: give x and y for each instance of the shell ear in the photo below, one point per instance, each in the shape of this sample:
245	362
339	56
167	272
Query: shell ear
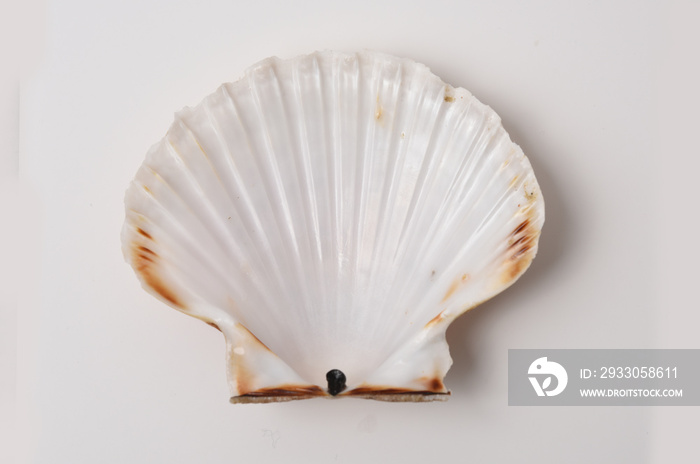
257	375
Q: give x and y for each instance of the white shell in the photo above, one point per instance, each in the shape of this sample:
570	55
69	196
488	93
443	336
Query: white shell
333	211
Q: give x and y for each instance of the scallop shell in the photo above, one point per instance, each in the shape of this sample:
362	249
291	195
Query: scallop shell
331	215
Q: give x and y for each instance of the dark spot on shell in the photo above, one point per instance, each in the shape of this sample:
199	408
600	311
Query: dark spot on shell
146	250
449	94
434	320
521	252
436	385
336	381
214	325
525	241
144	233
520	227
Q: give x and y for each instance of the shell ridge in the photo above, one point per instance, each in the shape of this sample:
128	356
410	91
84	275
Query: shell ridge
443	241
325	178
156	262
433	225
378	165
248	253
186	278
332	97
423	171
437	156
495	209
349	159
428	155
467	248
298	137
439	242
275	186
365	180
298	224
247	199
469	196
269	260
382	328
352	195
440	210
393	155
333	134
467	164
470	164
386	248
233	247
185	225
475	203
131	235
248	218
205	209
231	203
419	85
207	216
404	172
310	192
427	169
273	233
199	224
307	170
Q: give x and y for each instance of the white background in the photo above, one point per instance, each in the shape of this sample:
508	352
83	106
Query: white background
602	96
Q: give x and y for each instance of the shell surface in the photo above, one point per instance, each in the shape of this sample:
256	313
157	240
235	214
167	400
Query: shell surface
333	211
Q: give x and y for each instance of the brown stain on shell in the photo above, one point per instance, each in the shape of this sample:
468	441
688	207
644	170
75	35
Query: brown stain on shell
433	384
514	181
288	390
213	324
456	285
279	394
145	263
144	233
449	94
372	391
300	392
436	384
435	320
521	242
